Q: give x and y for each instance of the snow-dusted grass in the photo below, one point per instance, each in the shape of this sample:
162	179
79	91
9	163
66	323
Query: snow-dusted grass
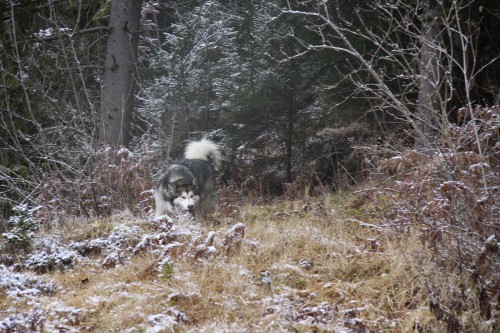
273	268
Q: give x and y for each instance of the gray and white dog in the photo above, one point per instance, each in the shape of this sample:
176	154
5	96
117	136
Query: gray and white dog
188	185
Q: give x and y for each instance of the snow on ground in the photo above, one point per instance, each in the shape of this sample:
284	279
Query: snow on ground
19	285
38	303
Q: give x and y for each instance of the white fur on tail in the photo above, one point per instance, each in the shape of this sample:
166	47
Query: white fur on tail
203	150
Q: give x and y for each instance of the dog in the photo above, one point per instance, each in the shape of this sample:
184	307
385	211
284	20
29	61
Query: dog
188	185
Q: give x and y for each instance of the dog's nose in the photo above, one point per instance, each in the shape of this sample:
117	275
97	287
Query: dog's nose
190	206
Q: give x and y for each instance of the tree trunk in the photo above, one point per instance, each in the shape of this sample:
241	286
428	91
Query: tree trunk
119	73
430	76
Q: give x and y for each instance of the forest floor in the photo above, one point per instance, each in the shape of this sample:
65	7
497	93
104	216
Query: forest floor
330	265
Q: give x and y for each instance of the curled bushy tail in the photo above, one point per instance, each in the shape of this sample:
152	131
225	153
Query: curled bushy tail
203	150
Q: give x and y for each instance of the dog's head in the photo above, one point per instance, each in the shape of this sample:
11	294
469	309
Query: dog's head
185	196
185	201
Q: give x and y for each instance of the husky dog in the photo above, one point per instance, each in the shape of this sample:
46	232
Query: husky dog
188	185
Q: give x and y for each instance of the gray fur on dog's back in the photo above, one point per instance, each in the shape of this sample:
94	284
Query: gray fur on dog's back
203	172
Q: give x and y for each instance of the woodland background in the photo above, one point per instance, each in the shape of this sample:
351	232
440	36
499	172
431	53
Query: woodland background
289	89
397	100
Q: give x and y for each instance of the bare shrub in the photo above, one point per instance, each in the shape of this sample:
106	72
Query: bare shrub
115	179
452	199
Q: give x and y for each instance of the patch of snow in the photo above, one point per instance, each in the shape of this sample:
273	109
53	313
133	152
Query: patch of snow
160	322
32	321
24	284
51	255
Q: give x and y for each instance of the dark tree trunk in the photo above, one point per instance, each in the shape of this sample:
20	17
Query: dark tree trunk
119	73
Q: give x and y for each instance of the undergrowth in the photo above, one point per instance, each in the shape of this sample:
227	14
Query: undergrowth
275	267
450	199
414	249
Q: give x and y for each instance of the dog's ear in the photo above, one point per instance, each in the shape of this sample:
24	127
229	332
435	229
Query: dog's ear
195	181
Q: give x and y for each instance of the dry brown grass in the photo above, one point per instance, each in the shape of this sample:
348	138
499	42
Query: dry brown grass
335	269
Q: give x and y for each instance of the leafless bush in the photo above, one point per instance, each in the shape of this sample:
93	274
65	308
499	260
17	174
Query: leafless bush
452	199
117	179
